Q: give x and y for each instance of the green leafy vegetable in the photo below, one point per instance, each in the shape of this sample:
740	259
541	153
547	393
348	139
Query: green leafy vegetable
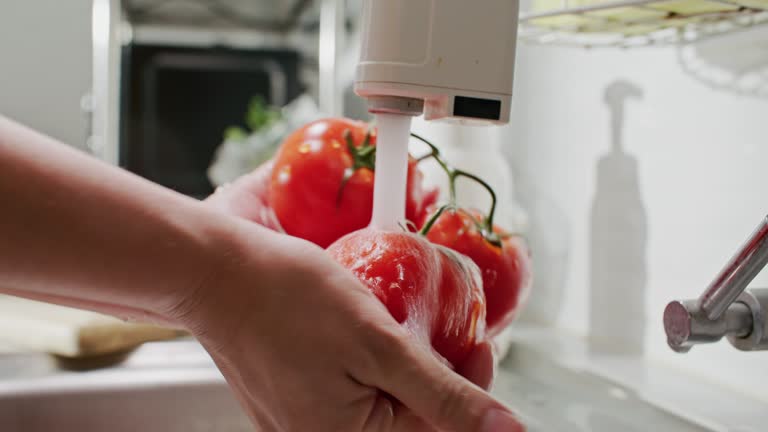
258	116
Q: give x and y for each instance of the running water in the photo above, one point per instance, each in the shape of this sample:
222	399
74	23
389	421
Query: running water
391	171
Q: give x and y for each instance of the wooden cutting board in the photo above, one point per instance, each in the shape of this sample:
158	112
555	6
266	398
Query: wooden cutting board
27	325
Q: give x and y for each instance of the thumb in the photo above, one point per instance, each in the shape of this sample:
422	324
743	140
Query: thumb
439	396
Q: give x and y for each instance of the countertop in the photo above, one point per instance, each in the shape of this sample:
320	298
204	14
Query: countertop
550	378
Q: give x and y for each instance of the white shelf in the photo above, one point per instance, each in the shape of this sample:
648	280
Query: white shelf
591	23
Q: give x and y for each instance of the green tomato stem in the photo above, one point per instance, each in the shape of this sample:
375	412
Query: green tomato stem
454	174
432	219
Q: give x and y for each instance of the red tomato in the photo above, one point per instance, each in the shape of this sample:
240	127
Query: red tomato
424	200
307	190
431	290
506	270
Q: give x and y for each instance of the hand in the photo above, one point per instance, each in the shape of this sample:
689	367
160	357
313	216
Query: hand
306	347
248	198
303	345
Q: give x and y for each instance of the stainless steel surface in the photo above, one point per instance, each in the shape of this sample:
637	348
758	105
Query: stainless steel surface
756	300
557	383
686	324
256	15
751	257
331	45
725	309
106	16
395	105
552	398
169	387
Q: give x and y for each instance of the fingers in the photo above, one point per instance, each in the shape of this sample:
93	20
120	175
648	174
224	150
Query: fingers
253	185
247	198
382	417
441	397
389	415
480	367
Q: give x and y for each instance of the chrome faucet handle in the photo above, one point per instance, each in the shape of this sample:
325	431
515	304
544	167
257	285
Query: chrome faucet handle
725	309
687	325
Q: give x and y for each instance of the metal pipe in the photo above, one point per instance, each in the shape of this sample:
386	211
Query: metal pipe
738	320
751	257
105	23
331	41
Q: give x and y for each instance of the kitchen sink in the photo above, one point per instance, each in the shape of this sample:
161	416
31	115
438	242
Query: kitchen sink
552	398
169	386
174	386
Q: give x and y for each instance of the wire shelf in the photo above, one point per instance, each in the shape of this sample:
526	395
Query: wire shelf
630	23
737	64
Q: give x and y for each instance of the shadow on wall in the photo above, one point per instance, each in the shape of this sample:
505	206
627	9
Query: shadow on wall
618	237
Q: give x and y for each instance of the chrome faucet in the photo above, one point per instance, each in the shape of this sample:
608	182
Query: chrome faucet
726	308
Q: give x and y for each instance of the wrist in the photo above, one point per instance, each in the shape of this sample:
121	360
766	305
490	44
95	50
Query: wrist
234	260
207	243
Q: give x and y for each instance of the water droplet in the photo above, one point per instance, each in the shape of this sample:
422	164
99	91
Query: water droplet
305	147
284	175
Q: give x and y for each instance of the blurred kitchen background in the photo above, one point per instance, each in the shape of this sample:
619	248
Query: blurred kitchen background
635	172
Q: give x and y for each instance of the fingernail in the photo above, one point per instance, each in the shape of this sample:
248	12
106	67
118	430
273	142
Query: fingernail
497	420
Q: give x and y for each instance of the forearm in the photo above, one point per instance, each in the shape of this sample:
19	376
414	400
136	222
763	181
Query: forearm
76	231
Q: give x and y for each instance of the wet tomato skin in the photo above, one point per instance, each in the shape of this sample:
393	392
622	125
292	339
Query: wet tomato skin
431	290
506	270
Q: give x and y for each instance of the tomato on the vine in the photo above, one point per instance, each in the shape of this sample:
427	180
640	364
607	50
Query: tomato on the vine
506	267
322	181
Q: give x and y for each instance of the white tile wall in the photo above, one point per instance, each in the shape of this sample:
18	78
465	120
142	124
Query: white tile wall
699	188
